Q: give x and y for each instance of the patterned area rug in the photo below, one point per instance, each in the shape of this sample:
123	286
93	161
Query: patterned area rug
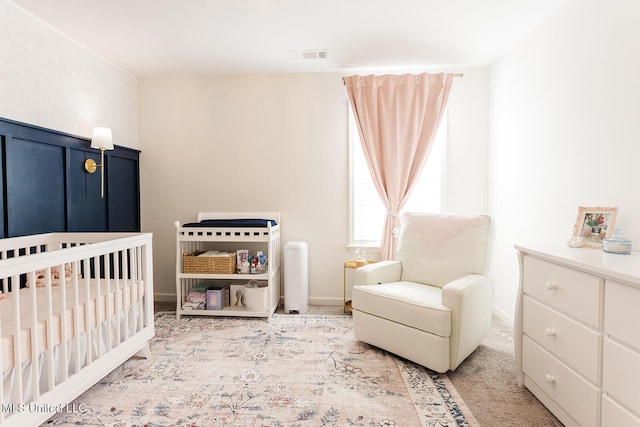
292	370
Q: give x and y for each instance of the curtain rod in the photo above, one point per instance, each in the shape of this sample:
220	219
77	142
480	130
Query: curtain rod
454	75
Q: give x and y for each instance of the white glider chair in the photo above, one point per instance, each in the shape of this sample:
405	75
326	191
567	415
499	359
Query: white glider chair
433	304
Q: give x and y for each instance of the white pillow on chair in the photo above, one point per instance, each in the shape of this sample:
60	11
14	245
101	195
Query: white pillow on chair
436	249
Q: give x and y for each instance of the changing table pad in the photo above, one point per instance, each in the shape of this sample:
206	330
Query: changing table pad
238	222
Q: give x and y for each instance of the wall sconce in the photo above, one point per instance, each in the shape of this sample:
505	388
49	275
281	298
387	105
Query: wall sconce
101	140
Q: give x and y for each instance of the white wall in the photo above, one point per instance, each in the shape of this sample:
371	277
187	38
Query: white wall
564	131
226	143
48	80
276	142
270	143
466	164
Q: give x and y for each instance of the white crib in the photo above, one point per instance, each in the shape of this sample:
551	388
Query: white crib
74	307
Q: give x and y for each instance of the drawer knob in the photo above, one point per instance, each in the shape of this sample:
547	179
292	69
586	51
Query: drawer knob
552	286
550	378
550	332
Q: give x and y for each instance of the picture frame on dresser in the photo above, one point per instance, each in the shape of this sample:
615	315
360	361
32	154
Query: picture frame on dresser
594	224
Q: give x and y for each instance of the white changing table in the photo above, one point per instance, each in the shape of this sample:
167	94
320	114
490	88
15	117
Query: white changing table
230	239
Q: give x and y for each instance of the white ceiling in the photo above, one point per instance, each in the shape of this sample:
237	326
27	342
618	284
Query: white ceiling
161	37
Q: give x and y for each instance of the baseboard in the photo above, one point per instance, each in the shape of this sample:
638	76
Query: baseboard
509	320
321	301
164	297
325	301
171	297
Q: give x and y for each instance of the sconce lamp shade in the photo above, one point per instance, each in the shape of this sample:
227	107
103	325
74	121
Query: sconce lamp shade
102	139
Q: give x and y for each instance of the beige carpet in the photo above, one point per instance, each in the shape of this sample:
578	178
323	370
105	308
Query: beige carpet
293	370
486	381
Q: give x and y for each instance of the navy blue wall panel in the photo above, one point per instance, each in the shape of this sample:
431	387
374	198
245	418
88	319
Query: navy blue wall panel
123	196
37	171
45	188
87	211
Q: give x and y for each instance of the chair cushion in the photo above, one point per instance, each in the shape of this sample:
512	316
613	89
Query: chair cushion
412	304
436	249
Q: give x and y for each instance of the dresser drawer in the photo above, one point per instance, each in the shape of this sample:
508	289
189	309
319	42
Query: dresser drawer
574	292
571	342
622	313
614	415
574	394
621	374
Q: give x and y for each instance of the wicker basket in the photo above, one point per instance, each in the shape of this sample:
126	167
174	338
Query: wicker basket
222	264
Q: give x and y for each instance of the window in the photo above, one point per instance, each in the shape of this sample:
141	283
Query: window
366	209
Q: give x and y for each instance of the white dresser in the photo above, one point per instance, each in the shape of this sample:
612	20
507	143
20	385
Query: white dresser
577	333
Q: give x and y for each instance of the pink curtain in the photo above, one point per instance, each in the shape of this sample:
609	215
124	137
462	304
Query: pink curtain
397	117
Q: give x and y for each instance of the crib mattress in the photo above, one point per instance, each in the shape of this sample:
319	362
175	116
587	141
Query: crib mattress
127	293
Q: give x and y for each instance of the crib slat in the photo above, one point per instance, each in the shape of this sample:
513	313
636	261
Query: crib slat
35	338
76	317
118	304
88	312
98	313
141	294
17	348
107	297
49	330
125	275
134	288
62	307
147	276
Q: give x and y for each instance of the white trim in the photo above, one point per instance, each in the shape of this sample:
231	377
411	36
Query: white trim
509	320
350	148
370	249
326	301
165	297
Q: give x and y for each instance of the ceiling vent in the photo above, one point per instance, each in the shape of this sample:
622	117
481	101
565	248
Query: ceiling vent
303	55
